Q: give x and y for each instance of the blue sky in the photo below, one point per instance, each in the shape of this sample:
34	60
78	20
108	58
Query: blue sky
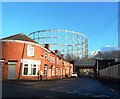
98	21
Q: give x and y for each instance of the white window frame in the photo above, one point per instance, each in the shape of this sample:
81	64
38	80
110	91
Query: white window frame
30	50
46	55
53	59
53	70
57	71
30	66
57	60
45	69
24	68
42	56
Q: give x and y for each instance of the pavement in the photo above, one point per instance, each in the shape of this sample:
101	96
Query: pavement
83	88
113	84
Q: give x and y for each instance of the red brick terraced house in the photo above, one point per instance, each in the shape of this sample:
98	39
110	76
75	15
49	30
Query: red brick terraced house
22	59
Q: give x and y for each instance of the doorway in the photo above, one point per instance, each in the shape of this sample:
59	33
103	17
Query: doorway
12	70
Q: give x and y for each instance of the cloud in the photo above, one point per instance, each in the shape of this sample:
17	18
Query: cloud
108	48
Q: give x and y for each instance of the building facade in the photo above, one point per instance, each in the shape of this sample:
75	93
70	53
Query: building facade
25	59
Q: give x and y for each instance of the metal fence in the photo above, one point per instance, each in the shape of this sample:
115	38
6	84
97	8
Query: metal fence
111	72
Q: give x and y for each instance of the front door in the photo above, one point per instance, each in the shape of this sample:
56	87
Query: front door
12	70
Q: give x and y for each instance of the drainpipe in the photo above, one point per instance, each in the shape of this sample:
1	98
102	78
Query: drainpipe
97	68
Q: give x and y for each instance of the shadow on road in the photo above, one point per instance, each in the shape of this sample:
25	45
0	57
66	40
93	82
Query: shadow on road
113	84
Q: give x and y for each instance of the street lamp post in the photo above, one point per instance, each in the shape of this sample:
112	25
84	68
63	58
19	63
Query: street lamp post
97	68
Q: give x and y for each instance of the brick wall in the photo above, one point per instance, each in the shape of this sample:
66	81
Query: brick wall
18	51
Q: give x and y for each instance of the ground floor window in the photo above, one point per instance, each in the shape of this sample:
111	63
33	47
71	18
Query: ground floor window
53	73
45	69
25	69
57	71
63	72
30	69
34	69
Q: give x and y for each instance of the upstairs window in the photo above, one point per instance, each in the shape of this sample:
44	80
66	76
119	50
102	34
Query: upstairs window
46	56
53	59
42	56
57	61
30	50
50	58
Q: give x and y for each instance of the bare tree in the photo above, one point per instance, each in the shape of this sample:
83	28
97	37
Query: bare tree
70	57
114	54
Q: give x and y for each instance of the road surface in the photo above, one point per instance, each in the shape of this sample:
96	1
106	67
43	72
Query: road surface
83	88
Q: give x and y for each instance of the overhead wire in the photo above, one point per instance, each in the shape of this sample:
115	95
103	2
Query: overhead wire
102	28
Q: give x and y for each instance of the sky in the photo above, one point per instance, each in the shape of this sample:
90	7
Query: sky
97	20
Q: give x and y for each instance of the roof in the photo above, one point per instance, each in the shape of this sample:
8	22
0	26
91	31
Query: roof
19	36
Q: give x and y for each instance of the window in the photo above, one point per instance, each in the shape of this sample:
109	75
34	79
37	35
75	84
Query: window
45	70
30	69
30	50
60	62
56	71
57	60
52	70
59	72
53	60
50	58
33	69
63	72
26	69
42	56
46	55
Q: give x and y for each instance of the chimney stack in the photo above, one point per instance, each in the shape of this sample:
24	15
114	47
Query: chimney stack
56	52
47	46
62	55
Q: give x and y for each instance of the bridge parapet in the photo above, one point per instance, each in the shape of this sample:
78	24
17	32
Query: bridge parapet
84	63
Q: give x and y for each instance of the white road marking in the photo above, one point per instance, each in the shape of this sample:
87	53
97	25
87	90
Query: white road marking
62	90
112	89
88	94
75	91
69	92
51	89
101	96
28	87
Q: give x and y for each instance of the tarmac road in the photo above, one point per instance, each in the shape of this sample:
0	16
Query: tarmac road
83	88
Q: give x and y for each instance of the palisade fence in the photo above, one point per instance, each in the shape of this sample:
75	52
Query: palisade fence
111	72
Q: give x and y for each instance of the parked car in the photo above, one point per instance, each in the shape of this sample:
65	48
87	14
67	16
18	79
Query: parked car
74	75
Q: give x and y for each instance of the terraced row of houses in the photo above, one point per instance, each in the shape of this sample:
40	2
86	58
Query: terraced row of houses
24	59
